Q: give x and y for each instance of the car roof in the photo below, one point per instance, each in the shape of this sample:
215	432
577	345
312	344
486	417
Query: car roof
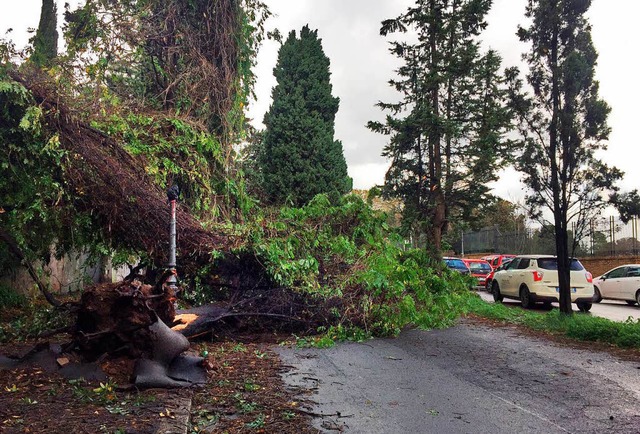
473	260
537	256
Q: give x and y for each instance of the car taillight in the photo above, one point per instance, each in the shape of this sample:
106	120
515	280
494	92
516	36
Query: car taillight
537	276
589	277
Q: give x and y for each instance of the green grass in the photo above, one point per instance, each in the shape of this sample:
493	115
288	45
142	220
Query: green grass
577	326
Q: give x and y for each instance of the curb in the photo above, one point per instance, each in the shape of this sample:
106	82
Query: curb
178	422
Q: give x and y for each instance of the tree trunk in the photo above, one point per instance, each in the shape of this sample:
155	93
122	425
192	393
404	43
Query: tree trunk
564	270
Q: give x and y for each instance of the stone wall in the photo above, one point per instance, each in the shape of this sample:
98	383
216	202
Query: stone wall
598	265
68	274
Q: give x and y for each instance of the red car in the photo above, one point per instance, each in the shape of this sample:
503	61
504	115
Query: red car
496	260
480	269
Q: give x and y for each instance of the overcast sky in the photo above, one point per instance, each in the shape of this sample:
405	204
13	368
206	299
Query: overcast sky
361	66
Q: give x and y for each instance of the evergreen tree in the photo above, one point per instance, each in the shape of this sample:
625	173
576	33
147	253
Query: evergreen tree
563	124
45	42
446	133
300	157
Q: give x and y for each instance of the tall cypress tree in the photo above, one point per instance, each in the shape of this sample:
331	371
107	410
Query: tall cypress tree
300	157
564	124
446	132
45	42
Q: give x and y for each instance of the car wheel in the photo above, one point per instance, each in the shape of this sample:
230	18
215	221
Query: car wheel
525	298
584	306
495	290
597	297
630	302
638	297
487	286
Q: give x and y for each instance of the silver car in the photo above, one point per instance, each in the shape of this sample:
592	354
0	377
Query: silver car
620	283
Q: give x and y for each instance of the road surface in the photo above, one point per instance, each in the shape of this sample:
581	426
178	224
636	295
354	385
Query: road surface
610	309
467	379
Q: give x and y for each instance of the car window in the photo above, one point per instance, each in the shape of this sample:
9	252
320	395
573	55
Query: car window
617	272
513	264
633	272
552	264
479	267
524	263
456	263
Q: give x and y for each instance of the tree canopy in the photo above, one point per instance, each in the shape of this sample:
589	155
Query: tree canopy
299	157
447	132
563	124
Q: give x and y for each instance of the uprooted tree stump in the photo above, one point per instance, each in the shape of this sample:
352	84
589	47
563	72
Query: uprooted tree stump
115	317
129	318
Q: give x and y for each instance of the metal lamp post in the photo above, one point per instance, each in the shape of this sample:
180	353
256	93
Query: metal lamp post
172	194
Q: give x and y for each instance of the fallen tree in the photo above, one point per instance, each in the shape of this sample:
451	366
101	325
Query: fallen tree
332	269
111	184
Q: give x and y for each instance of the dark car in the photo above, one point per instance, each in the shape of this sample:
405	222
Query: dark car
456	264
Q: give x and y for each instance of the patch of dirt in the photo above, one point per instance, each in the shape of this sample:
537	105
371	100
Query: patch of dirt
244	394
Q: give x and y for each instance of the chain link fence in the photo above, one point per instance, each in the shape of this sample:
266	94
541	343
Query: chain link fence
607	236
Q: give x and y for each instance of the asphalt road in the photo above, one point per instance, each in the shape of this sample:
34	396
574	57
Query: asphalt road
467	379
610	309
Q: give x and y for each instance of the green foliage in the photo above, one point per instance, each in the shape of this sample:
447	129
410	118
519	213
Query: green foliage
346	251
446	134
32	186
203	70
178	152
582	327
299	157
40	211
297	242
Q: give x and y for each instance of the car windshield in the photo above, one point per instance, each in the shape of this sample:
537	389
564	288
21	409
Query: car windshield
552	264
479	267
458	264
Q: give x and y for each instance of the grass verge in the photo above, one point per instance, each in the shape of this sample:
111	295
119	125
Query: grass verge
582	327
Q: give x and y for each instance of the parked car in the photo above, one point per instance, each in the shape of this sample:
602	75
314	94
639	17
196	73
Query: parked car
489	280
496	260
456	264
620	283
534	278
479	269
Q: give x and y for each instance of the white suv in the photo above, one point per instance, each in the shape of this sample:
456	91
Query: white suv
534	278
